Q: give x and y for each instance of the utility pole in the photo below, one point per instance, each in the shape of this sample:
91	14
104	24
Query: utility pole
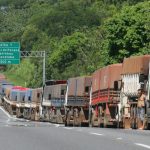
41	109
43	68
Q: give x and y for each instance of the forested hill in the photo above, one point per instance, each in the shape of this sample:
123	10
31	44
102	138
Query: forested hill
78	36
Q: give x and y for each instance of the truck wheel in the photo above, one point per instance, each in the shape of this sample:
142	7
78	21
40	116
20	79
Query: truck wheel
101	122
134	124
65	123
147	126
105	122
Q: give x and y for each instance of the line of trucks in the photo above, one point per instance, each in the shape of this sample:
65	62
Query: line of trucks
107	98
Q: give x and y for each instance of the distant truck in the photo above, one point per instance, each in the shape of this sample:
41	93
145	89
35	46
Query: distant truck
106	84
32	104
22	102
77	101
135	76
53	101
9	102
21	95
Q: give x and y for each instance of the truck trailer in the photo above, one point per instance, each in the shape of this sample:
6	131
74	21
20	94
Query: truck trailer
135	76
77	101
53	102
32	104
106	83
20	104
10	98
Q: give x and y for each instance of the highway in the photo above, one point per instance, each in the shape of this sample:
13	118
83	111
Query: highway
19	134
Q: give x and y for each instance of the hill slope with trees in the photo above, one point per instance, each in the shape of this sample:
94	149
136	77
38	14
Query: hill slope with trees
78	36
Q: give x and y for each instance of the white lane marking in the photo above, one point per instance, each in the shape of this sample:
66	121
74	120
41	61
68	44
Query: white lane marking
57	125
6	113
68	128
21	119
96	133
119	138
142	145
12	117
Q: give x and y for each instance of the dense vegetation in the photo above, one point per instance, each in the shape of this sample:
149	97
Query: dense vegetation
78	36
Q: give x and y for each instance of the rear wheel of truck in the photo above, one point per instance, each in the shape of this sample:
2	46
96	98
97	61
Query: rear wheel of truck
65	123
33	114
147	126
134	124
101	122
105	121
93	122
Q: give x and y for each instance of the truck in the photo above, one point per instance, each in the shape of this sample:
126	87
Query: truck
135	76
105	98
32	104
10	98
77	101
53	102
20	103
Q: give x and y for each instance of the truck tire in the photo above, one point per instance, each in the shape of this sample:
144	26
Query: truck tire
147	126
134	124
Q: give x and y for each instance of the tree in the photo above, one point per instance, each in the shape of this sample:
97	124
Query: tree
77	54
127	33
65	17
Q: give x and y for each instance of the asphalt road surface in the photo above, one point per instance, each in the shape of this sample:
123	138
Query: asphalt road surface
19	134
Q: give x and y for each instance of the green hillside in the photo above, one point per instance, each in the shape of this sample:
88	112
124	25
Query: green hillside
78	36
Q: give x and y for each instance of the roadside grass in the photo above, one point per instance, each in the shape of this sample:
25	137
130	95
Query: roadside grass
21	74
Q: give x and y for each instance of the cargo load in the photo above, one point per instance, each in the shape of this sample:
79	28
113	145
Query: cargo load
105	82
47	93
136	65
36	95
28	95
21	94
14	93
6	89
135	70
78	91
77	86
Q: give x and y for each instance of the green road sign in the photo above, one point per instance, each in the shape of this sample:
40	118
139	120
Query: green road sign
9	52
